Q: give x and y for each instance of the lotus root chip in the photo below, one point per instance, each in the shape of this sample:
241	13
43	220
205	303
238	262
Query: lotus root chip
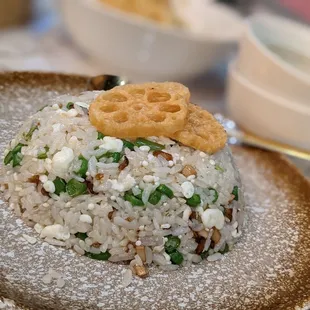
202	131
142	110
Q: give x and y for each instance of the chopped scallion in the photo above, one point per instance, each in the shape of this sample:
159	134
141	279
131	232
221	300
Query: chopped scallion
75	188
83	168
165	190
235	192
176	258
216	194
101	256
194	201
133	200
155	197
60	186
172	244
152	145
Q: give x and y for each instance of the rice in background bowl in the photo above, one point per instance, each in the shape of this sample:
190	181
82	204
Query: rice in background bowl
129	202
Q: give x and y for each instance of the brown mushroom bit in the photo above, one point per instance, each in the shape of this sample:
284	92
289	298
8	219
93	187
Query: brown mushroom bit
165	155
201	246
228	213
99	176
216	236
189	170
34	179
141	252
96	245
123	164
141	271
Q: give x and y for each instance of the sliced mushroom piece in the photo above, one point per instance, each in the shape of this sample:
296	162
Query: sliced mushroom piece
203	233
123	164
141	252
189	170
216	236
228	213
165	155
201	246
141	271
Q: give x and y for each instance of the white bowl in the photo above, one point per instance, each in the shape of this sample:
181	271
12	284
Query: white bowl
275	55
139	49
265	114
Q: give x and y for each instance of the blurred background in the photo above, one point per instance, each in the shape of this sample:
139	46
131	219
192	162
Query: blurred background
257	52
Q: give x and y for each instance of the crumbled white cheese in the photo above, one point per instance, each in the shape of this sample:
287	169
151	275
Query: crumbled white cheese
124	184
188	189
113	198
111	144
138	243
56	231
62	160
85	218
55	106
170	163
213	218
72	113
148	178
29	239
144	148
90	206
49	186
212	162
144	163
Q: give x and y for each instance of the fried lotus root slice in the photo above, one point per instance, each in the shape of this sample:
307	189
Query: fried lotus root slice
202	131
140	110
140	90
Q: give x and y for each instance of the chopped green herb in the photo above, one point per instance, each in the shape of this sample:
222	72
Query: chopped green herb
204	254
116	157
176	258
139	195
14	155
29	134
70	105
81	236
100	136
216	194
101	256
172	244
219	168
235	192
225	250
75	188
194	201
133	200
127	144
152	145
155	197
43	154
83	168
8	158
165	190
17	158
60	186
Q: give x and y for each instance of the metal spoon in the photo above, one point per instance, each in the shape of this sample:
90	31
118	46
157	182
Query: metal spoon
238	136
106	82
235	134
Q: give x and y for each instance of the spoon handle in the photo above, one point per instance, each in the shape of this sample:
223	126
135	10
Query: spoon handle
252	140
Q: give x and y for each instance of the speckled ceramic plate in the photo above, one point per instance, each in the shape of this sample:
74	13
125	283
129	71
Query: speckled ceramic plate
268	269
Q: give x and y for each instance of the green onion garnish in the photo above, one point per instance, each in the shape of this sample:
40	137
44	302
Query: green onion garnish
204	254
81	236
14	155
100	136
17	158
165	190
133	200
75	188
235	192
176	258
225	250
216	194
60	186
29	134
101	256
219	168
194	201
155	197
70	105
83	168
43	155
152	145
116	157
127	144
172	244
